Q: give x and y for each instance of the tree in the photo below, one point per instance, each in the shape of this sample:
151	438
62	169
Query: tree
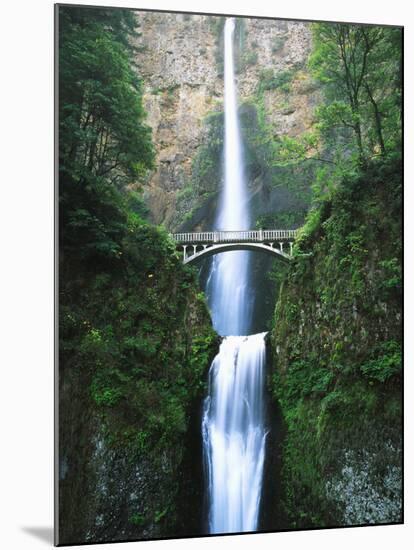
104	144
383	87
358	67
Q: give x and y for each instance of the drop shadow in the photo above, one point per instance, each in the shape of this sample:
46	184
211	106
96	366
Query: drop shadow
43	533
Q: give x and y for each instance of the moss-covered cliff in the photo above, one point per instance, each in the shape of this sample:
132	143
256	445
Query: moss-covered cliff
135	336
337	357
143	112
135	348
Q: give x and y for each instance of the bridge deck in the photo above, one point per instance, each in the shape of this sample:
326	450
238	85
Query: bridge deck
216	237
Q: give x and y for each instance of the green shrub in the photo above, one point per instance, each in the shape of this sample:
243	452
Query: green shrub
386	364
269	80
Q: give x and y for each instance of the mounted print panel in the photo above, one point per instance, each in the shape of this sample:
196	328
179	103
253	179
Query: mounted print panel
229	273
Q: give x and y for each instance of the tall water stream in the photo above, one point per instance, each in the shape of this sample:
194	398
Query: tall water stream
233	425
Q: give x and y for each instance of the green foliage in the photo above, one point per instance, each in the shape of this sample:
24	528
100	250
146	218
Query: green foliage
206	171
337	373
352	62
137	209
393	274
103	141
206	164
292	150
160	514
269	80
308	230
137	519
248	58
265	155
306	378
104	394
132	320
386	364
147	352
284	219
101	115
359	118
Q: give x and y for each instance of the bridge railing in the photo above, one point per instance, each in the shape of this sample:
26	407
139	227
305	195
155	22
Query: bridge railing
257	235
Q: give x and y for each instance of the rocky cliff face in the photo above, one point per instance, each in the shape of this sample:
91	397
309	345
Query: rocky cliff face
180	59
181	85
273	48
337	358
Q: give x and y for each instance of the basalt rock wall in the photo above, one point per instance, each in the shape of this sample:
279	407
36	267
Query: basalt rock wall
180	58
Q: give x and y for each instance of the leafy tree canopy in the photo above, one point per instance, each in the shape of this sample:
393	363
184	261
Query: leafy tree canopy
104	144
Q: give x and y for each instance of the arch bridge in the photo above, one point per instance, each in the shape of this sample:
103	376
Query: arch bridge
278	242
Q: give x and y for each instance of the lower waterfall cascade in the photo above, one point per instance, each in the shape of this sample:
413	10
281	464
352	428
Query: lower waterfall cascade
234	433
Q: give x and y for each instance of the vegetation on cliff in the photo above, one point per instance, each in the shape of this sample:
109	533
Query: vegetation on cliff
135	334
361	71
359	118
337	341
337	326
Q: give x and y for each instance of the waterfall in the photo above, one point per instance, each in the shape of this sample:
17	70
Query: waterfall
233	426
233	434
228	284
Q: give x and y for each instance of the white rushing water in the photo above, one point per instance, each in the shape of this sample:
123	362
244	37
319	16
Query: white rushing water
228	284
233	426
234	434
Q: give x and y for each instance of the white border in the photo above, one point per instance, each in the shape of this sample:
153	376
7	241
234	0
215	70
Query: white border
26	301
